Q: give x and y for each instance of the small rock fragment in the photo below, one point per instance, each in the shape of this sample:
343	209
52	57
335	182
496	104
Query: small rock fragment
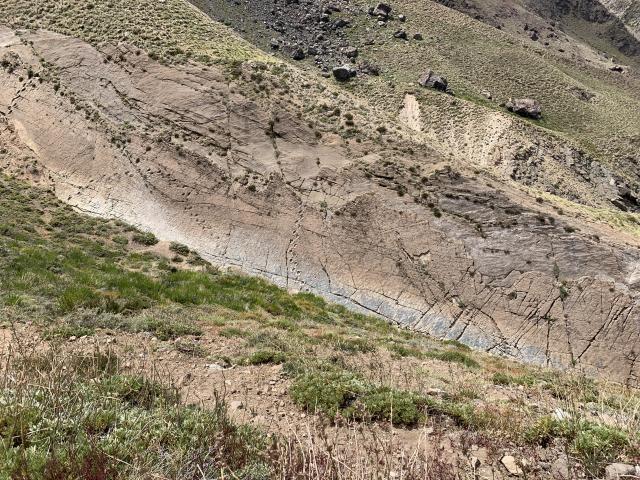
511	465
619	471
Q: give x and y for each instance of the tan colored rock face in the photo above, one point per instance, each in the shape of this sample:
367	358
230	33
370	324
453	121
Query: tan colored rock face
181	151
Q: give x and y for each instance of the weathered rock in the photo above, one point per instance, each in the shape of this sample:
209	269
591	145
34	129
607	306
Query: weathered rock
351	52
382	9
344	73
400	34
434	265
620	471
418	36
298	54
430	79
369	68
525	107
560	468
511	465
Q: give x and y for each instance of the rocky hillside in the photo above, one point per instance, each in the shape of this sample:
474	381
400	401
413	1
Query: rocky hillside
126	357
440	211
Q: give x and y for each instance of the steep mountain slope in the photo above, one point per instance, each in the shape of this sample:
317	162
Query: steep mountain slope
586	148
155	114
124	357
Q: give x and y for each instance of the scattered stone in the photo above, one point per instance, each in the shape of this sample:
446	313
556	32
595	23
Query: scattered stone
382	10
560	469
581	93
475	463
560	414
236	405
418	36
274	43
430	79
511	465
402	18
400	34
487	95
436	392
351	52
525	107
369	68
619	471
298	54
617	68
344	73
341	23
186	379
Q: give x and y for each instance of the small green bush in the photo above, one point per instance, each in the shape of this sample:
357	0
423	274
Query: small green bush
594	445
454	356
145	238
179	248
262	357
339	392
501	378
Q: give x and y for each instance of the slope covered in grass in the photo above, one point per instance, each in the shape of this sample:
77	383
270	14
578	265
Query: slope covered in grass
171	30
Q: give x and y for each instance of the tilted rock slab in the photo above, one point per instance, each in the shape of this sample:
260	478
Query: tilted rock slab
180	151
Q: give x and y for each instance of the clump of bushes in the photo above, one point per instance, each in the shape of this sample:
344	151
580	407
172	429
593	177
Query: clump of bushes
454	356
339	392
179	248
145	238
263	357
594	445
102	423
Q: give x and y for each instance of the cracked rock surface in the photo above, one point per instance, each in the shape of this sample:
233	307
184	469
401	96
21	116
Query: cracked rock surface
184	152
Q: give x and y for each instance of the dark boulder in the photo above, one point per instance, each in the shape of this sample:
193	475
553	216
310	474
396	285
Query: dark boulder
344	73
525	107
430	79
298	54
382	9
400	34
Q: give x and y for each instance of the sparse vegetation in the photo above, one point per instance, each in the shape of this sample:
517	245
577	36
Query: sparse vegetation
80	286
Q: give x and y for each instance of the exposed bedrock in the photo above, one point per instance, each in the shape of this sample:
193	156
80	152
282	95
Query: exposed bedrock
179	151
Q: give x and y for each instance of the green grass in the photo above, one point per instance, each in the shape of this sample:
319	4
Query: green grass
594	445
145	238
339	392
61	273
263	357
82	418
454	357
171	31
